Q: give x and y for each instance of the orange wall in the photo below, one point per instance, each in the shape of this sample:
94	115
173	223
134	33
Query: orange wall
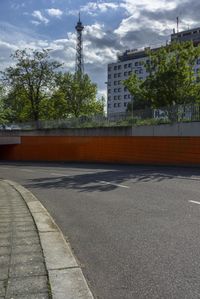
123	149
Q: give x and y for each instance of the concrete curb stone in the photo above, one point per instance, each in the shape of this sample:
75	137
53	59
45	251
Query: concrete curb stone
65	275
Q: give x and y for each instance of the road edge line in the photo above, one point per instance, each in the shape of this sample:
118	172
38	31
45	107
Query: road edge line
65	275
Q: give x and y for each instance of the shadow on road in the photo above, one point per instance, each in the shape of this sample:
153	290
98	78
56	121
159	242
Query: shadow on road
107	178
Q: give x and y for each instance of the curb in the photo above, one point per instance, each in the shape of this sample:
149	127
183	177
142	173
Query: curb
65	275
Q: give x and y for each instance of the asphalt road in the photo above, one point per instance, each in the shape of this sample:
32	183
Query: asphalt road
134	229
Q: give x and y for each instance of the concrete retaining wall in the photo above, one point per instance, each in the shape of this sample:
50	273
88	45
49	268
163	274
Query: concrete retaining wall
177	144
178	129
10	140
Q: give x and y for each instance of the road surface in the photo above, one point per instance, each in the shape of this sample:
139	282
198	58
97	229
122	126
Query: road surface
135	230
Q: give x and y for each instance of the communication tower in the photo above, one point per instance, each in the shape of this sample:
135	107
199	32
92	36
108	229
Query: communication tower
79	68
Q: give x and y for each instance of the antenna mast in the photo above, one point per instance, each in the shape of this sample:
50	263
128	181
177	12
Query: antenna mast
177	23
79	68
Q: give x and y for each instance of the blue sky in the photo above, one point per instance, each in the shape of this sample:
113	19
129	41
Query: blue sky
110	27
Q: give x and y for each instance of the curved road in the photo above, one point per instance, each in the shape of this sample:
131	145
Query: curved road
135	230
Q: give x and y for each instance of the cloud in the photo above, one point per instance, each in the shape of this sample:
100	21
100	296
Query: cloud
13	38
38	15
54	12
114	27
15	5
132	6
95	8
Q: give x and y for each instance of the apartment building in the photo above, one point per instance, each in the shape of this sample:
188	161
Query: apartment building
118	96
187	35
133	61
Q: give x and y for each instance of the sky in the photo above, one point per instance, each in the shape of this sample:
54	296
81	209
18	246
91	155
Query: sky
111	27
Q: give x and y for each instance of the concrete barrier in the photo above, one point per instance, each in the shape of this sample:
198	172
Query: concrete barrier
10	140
177	129
177	144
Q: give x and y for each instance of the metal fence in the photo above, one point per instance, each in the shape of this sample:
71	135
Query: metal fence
148	116
176	113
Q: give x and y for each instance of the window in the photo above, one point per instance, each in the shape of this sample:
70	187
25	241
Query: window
125	66
136	71
109	76
119	89
125	74
187	33
115	82
141	71
198	61
115	75
119	105
109	68
109	98
136	63
125	104
109	90
109	83
115	89
125	89
129	96
129	73
119	82
115	105
115	97
119	67
109	105
130	65
119	74
125	96
115	67
119	97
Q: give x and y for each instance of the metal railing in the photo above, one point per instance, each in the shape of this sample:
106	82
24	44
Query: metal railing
148	116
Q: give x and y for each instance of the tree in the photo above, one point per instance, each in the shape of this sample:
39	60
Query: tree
171	79
54	107
79	93
137	89
31	80
5	112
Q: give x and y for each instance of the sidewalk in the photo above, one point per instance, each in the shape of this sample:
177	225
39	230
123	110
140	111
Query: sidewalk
35	260
22	269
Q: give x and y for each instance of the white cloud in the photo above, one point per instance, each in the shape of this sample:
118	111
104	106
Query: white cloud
139	16
38	15
132	6
97	30
99	7
95	8
35	22
54	12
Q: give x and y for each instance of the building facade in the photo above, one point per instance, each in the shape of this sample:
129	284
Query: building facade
118	95
133	61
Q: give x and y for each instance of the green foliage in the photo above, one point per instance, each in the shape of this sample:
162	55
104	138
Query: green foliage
54	107
79	93
5	112
171	77
35	91
137	88
29	82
